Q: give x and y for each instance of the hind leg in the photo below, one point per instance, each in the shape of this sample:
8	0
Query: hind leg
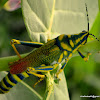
27	43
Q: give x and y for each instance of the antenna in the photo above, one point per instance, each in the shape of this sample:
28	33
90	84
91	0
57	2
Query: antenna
88	21
94	36
87	16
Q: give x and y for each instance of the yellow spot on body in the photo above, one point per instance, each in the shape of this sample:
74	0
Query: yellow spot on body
11	83
69	36
65	46
60	59
61	37
71	43
65	53
77	40
16	78
70	55
43	65
25	74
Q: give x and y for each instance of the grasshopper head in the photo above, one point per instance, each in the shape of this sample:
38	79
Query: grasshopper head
84	35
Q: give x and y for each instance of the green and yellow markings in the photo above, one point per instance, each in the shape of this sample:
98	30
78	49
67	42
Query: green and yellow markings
83	36
70	55
11	83
54	49
83	42
65	46
65	53
69	36
3	91
60	58
61	37
25	74
79	39
76	48
71	43
4	86
16	78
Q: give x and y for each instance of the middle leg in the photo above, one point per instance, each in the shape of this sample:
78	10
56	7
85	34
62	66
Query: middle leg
42	68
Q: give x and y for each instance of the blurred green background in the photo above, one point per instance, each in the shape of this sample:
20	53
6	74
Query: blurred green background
83	78
11	27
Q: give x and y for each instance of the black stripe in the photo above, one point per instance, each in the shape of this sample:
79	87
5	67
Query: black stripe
6	83
58	43
20	76
28	74
3	88
11	78
31	44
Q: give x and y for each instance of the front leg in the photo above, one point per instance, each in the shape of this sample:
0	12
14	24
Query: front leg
42	68
60	60
85	58
61	69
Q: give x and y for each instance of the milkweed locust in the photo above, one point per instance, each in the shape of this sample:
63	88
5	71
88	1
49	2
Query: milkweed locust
45	58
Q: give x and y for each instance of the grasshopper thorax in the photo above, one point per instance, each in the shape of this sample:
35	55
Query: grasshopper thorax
70	42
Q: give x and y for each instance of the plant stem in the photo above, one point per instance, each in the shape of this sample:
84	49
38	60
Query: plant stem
49	86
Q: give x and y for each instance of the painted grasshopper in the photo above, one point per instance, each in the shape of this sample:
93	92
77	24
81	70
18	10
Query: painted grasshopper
46	58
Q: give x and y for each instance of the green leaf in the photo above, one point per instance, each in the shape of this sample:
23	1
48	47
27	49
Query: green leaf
56	17
25	91
2	2
43	17
56	91
96	26
99	4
